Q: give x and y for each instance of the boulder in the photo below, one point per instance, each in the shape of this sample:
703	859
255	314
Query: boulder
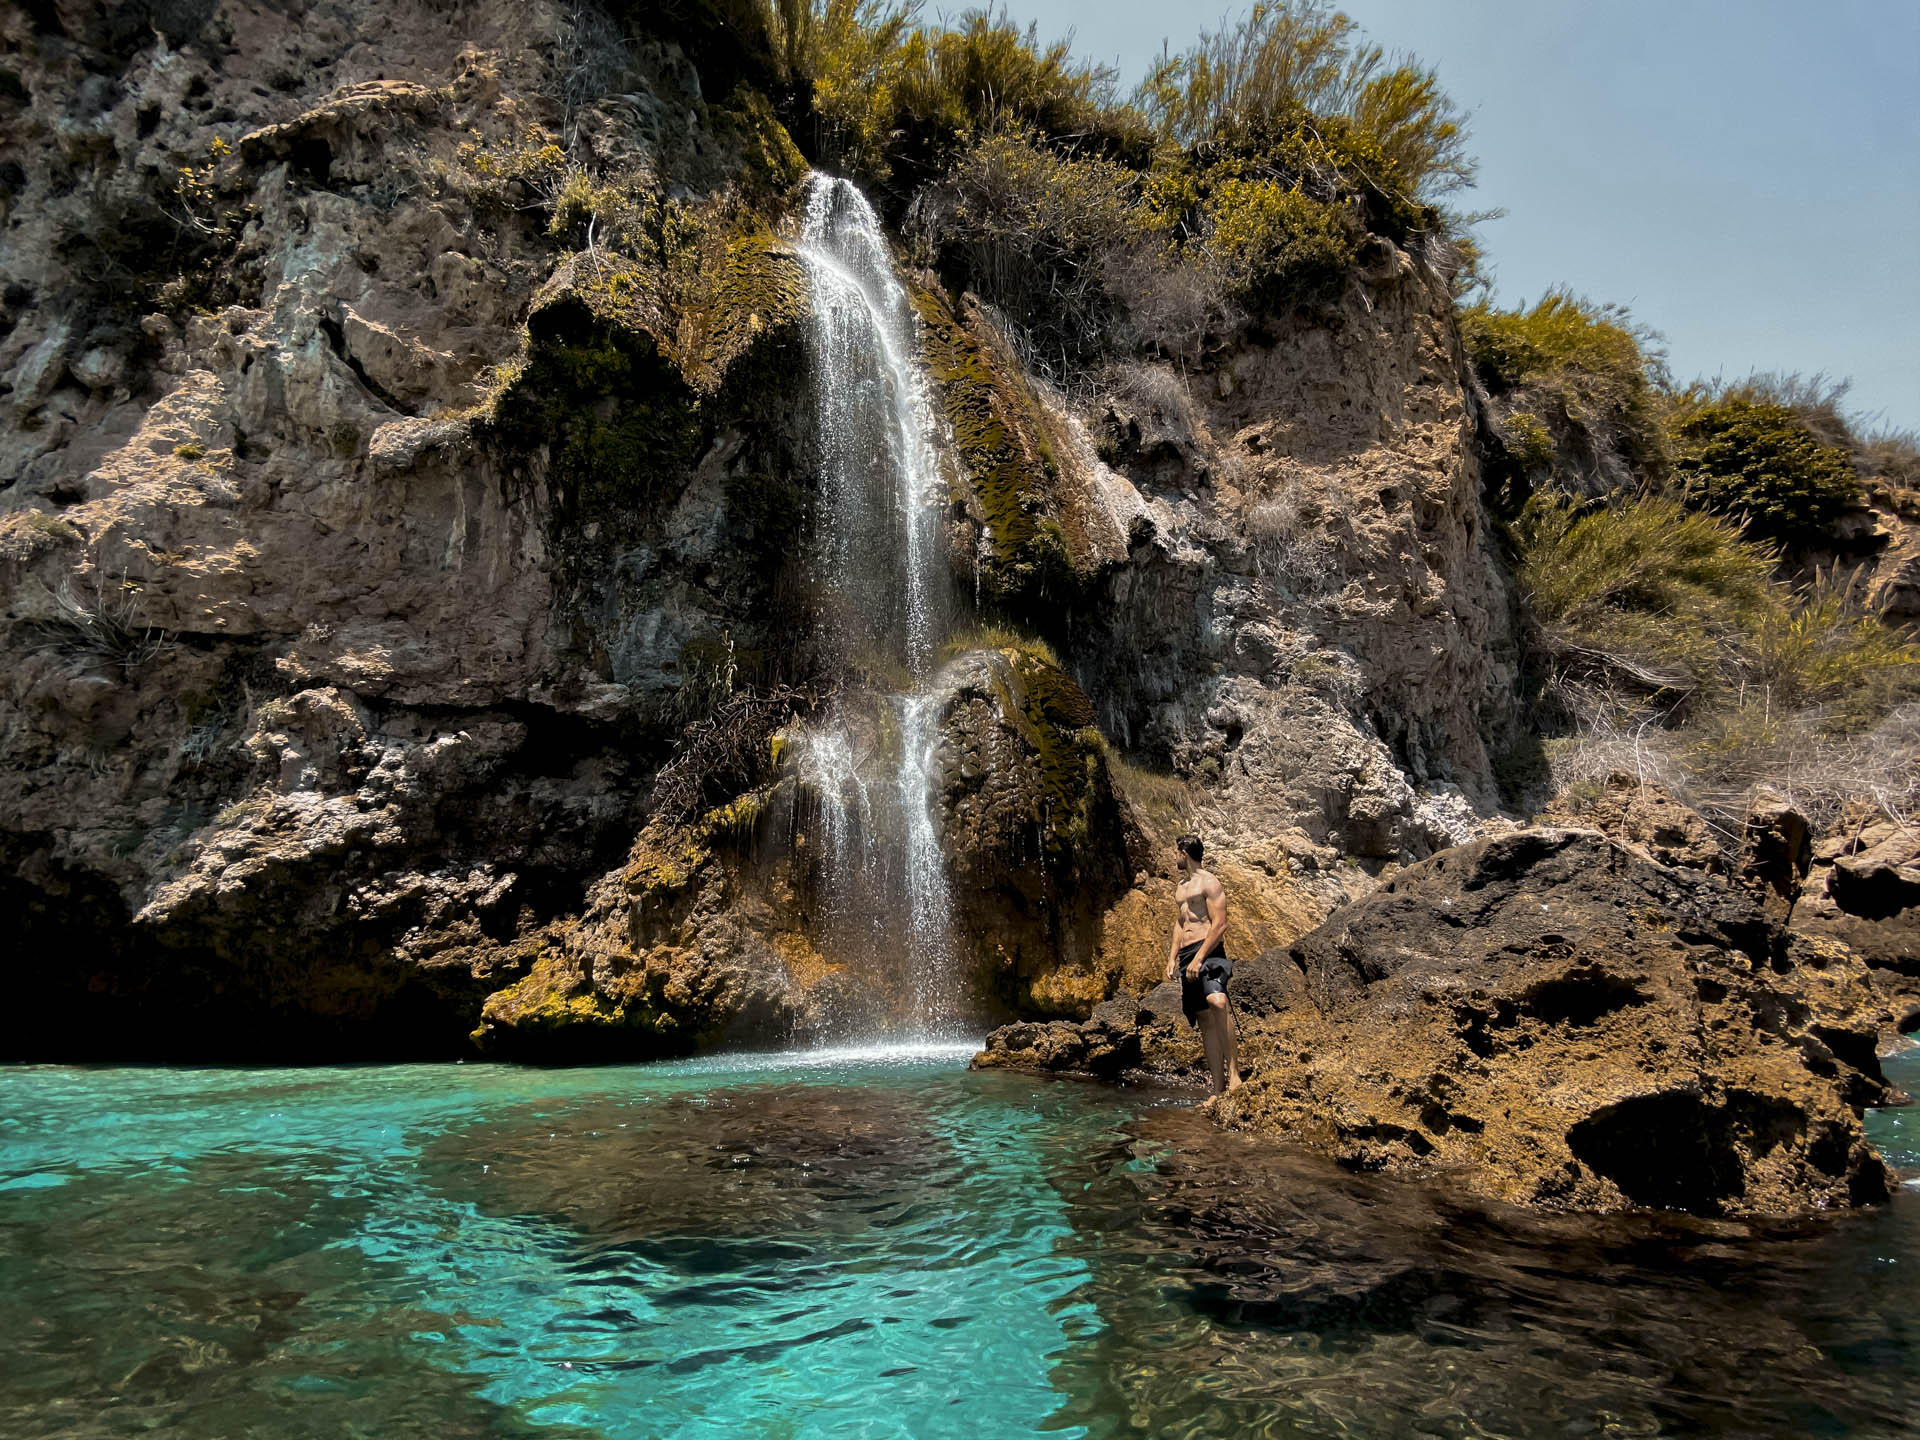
1776	850
1863	890
1037	841
1552	1020
1570	1025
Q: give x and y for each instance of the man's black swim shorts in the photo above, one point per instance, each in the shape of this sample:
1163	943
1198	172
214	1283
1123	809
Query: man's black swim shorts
1215	971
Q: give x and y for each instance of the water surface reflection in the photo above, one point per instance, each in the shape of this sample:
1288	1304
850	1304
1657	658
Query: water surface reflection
862	1245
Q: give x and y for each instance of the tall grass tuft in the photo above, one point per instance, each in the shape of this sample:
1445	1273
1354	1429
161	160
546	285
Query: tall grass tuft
1671	651
1293	56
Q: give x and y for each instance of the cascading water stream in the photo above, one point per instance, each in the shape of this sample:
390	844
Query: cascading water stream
880	477
884	588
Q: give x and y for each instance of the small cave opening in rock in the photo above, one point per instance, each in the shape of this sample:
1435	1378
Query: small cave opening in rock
312	157
1877	892
1669	1151
1580	997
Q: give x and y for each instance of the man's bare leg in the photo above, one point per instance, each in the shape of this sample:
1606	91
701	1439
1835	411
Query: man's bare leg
1223	1043
1211	1041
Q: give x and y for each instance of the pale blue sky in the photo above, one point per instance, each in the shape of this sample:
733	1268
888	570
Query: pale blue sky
1744	174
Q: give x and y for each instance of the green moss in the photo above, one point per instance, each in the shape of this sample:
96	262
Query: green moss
756	286
1055	718
1278	247
596	387
623	361
771	164
1028	569
557	1003
51	526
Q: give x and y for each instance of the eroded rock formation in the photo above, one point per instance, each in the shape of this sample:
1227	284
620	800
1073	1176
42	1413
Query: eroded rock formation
1553	1020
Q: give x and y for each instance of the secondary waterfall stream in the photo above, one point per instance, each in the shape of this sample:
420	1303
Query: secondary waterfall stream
871	766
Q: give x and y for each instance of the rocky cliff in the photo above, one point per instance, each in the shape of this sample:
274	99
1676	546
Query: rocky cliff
373	531
411	516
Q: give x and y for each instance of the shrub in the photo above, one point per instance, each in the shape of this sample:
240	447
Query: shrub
848	57
1276	248
1757	460
1297	535
1891	457
1573	365
1645	593
1035	233
101	629
987	72
1299	57
1671	654
888	95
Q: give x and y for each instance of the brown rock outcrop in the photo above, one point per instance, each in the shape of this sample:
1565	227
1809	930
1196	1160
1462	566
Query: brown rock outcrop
1553	1021
1646	820
1776	848
1863	889
327	690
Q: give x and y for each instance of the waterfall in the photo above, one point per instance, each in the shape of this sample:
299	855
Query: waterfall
884	611
880	477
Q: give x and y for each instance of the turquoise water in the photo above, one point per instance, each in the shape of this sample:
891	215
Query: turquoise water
859	1245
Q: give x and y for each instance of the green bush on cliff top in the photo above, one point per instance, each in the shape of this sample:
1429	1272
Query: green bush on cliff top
1760	462
1575	366
1651	612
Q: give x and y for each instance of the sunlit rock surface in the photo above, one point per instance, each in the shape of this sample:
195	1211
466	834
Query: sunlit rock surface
1550	1020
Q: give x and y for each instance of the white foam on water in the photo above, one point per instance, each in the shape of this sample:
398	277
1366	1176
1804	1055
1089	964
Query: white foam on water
873	1055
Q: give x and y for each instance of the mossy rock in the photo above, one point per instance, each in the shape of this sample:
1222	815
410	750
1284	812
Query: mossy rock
1058	791
771	164
1028	568
1037	840
625	379
758	288
560	1014
598	387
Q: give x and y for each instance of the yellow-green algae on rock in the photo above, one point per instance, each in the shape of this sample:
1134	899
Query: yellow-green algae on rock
625	365
601	989
1005	459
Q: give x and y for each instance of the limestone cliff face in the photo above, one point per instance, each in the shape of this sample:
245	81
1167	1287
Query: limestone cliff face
1309	614
369	536
333	673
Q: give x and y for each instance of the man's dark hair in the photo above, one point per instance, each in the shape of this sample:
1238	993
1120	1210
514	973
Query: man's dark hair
1190	846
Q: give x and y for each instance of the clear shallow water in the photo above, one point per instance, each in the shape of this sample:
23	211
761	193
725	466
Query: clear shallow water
862	1244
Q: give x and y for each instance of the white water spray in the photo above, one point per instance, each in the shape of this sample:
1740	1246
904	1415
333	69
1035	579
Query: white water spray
885	591
879	473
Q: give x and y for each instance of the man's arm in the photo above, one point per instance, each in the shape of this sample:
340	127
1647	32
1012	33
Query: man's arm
1173	945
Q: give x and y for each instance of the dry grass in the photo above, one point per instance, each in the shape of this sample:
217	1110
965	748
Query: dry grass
1298	534
988	635
1166	800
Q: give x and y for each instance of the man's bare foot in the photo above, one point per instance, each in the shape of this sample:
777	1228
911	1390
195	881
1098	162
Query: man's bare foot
1233	1083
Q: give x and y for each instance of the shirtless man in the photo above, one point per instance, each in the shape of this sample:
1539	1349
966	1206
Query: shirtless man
1195	957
